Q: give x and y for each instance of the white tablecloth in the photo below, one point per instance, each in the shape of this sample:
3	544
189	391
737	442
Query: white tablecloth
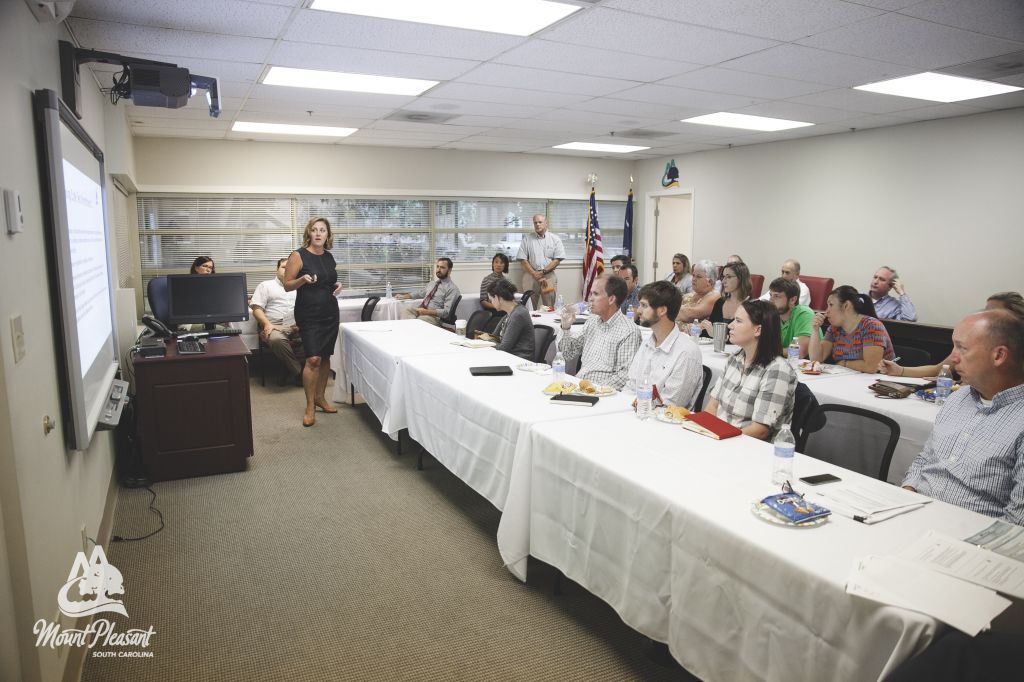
351	310
477	426
915	417
371	361
662	531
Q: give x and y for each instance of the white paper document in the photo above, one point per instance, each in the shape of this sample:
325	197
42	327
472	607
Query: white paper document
896	581
474	343
962	560
1002	538
869	503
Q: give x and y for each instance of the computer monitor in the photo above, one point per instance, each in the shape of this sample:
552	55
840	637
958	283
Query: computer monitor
198	299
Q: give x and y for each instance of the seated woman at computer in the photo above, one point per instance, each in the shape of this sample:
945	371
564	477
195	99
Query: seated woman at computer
514	333
312	271
203	265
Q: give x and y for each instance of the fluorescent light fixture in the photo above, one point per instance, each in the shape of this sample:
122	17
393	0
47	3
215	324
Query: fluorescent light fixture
746	121
289	129
349	82
595	147
938	87
512	17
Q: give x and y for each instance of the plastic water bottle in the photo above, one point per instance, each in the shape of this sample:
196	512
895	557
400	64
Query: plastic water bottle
644	395
559	303
695	330
782	462
630	314
794	353
387	290
558	368
943	385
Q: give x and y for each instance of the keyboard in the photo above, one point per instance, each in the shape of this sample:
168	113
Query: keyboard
190	346
225	332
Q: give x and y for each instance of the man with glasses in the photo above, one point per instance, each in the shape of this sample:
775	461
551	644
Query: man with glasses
539	254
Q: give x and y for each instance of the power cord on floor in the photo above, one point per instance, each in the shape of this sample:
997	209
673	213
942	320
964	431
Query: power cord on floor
118	538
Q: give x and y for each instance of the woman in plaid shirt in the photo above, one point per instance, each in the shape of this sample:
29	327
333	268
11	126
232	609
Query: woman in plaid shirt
757	389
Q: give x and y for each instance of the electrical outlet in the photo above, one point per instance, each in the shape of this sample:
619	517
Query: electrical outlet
85	541
17	338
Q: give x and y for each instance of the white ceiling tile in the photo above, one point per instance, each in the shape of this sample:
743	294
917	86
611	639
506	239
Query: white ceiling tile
488	93
488	147
714	79
397	36
818	66
301	118
938	111
523	134
849	99
285	106
481	121
609	121
555	127
457	106
1001	18
140	120
871	121
524	140
427	128
311	96
794	111
229	17
370	133
544	54
914	42
653	37
376	62
177	133
375	142
780	19
503	75
1008	101
163	41
889	5
686	98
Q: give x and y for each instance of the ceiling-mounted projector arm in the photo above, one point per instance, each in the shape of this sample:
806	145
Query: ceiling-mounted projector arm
210	84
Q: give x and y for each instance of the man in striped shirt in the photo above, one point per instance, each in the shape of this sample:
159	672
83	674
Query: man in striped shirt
975	455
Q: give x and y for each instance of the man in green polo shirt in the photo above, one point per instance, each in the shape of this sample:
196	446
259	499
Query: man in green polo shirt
796	319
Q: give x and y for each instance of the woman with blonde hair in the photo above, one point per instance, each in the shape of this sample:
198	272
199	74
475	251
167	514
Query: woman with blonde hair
312	271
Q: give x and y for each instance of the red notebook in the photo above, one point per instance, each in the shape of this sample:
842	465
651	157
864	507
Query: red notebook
707	424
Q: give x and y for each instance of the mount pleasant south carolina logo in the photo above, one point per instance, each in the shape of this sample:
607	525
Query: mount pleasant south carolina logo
91	588
93	582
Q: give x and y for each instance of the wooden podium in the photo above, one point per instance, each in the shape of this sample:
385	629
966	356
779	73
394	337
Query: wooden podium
194	415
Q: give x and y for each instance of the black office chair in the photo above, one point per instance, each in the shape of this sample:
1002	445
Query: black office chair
448	322
804	406
527	295
368	307
851	437
477	321
492	323
159	301
704	384
542	338
912	357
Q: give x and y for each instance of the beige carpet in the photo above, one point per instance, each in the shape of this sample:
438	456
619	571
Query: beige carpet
333	558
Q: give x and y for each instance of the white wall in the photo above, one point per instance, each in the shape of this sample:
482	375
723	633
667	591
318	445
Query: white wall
165	165
47	493
941	201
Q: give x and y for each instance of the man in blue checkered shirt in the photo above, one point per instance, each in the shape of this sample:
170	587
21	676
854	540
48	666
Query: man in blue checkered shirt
975	455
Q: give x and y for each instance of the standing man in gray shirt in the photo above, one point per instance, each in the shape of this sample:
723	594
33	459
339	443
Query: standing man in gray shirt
539	254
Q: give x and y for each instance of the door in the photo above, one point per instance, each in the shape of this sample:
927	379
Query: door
675	231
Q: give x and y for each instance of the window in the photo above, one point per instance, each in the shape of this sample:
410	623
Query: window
376	239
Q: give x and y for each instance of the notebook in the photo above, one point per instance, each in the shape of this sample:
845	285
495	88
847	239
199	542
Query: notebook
491	371
707	424
570	399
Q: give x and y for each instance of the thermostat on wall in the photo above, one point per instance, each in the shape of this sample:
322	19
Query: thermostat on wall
12	211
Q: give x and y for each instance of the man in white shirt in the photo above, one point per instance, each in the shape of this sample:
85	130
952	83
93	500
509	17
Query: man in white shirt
673	360
791	271
608	341
274	310
539	254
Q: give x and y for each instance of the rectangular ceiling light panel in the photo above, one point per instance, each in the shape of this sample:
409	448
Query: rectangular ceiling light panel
290	129
746	121
347	82
938	87
512	17
595	147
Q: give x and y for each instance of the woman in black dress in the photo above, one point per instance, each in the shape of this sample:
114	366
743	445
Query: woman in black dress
311	271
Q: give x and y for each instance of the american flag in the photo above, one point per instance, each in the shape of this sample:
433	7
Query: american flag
593	261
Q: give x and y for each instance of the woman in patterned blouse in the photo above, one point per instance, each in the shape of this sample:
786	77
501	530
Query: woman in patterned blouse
855	338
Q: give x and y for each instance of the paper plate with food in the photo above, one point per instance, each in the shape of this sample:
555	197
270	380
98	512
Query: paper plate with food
590	388
672	414
558	387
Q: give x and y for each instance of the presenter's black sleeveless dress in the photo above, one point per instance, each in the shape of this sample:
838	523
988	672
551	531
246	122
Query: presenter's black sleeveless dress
316	308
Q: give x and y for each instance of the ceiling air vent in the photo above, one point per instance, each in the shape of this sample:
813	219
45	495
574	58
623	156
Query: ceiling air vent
420	117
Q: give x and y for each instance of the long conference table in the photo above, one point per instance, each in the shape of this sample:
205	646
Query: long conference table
651	518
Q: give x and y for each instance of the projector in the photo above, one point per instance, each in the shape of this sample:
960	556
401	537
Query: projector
159	86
